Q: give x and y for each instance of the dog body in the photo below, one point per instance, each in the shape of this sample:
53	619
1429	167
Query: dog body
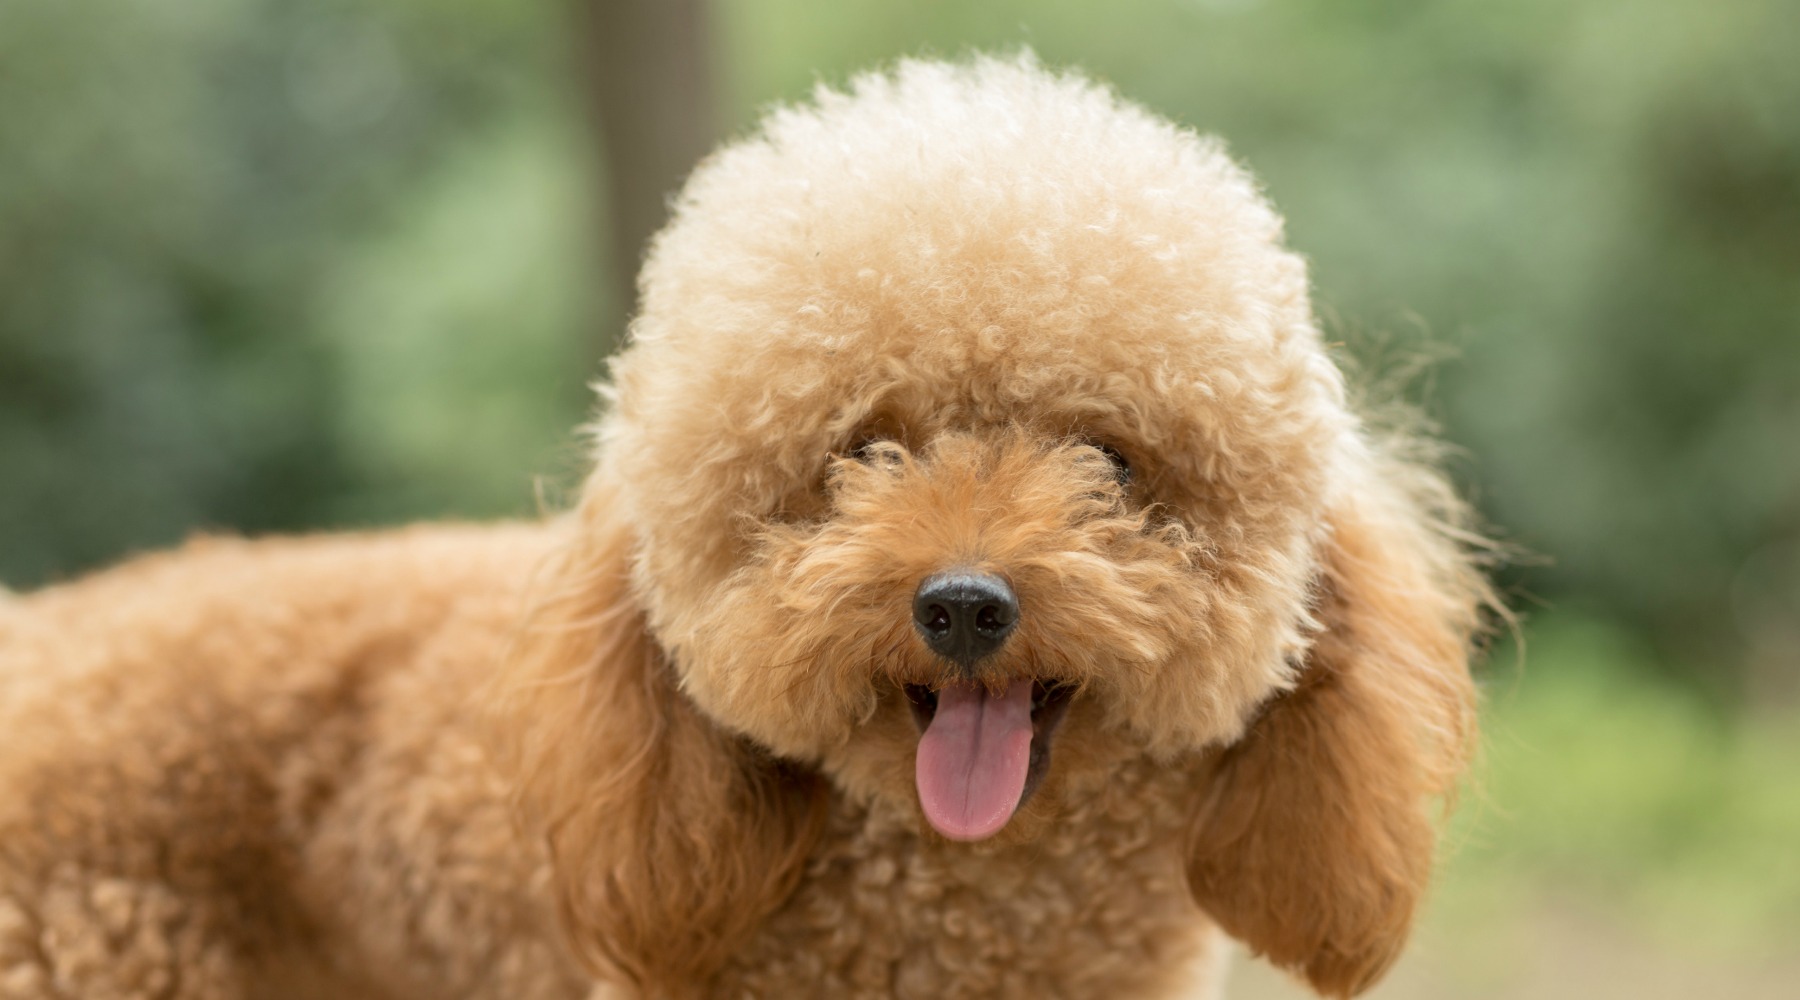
983	588
1095	908
224	806
268	784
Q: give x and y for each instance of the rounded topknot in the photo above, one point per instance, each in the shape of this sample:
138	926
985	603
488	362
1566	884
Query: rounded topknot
990	227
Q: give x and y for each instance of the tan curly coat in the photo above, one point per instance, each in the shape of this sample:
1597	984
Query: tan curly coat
660	745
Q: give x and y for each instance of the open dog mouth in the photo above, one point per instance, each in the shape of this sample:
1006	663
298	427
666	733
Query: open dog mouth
981	754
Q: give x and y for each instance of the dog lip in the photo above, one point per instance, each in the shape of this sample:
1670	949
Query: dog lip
923	702
1050	702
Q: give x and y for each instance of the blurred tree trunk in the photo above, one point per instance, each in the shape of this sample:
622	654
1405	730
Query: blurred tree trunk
649	69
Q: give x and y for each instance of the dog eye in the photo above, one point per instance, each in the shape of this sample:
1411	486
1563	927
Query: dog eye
1121	467
877	451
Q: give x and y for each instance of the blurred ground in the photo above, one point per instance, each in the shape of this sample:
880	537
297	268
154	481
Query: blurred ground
1557	950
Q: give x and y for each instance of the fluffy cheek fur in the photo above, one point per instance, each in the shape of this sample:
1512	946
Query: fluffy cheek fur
1310	841
801	648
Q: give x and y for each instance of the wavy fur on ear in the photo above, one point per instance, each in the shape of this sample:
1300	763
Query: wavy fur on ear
1314	841
669	839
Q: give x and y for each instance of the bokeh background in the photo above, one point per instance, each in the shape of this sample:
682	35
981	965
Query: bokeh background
282	265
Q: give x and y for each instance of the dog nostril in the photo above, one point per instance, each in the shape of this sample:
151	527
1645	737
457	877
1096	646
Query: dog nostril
938	622
991	619
965	616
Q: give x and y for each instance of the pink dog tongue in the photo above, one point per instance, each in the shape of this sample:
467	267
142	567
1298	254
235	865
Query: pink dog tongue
973	758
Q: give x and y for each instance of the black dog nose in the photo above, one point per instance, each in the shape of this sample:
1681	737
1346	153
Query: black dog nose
964	616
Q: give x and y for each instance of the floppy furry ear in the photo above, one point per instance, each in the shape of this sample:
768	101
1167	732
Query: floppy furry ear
669	839
1314	839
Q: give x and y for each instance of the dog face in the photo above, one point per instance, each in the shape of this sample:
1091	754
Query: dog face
1083	384
975	436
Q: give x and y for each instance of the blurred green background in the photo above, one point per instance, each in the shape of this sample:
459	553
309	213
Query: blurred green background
274	265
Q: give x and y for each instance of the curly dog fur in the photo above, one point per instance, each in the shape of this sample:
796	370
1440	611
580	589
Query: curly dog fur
978	317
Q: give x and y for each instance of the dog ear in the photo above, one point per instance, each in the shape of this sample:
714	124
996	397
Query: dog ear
669	839
1314	837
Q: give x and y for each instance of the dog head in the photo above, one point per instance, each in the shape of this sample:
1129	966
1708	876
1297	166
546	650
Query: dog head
976	436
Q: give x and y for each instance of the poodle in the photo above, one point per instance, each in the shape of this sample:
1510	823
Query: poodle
983	588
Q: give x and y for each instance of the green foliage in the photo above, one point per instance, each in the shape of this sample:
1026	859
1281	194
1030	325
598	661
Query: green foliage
182	191
276	265
1601	781
454	334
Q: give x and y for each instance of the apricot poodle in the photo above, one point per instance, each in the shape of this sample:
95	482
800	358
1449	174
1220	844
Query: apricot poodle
983	589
